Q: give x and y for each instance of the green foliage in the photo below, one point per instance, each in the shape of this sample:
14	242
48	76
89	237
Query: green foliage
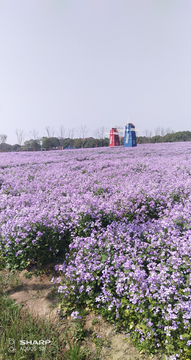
78	331
90	143
28	274
48	247
101	191
84	226
67	143
75	353
50	142
170	137
107	219
2	262
31	144
98	341
95	321
78	143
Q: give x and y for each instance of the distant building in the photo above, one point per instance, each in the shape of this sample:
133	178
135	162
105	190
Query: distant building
130	136
114	137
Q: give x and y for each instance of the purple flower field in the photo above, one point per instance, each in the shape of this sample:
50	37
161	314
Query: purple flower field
124	218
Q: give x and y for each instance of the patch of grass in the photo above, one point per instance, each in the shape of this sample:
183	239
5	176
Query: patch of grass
28	274
95	321
9	278
34	271
74	353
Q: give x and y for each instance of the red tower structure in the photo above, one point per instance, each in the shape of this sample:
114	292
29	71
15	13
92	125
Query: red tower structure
114	137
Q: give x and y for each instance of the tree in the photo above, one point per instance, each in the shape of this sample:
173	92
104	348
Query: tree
65	143
61	133
99	133
142	140
148	134
20	136
78	143
16	147
89	143
3	138
3	146
83	131
169	131
32	145
106	141
34	134
71	137
157	131
50	142
71	133
162	132
50	131
156	139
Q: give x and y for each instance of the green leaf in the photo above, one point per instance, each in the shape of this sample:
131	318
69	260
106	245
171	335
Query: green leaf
186	336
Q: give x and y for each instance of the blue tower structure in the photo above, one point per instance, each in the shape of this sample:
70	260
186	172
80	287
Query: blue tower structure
130	136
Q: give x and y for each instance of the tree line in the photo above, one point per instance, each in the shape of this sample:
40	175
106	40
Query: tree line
52	143
63	141
169	137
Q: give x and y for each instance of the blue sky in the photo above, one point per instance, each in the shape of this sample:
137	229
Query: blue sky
95	63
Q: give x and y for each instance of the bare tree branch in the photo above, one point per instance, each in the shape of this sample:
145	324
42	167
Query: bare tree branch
3	138
34	134
147	133
162	131
83	131
50	131
150	133
61	132
169	131
71	133
20	136
157	131
99	133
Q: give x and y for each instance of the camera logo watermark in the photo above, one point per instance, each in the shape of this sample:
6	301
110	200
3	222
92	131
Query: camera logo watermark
35	342
33	345
27	345
11	345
